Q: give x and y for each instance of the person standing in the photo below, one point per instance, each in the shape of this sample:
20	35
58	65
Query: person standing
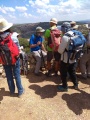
66	66
11	69
85	59
50	52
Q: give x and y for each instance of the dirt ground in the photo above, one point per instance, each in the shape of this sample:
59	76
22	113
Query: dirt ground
43	101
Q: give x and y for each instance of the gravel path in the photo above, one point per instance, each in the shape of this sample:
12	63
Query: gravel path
42	100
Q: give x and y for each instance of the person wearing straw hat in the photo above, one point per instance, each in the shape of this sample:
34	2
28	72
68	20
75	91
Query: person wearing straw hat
51	53
37	48
11	70
73	25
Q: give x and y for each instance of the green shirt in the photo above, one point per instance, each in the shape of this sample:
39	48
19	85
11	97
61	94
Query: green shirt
47	35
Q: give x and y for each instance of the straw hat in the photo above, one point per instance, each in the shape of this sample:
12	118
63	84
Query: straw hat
39	29
4	25
73	22
73	25
53	20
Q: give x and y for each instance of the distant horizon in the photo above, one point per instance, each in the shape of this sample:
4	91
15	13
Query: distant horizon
88	20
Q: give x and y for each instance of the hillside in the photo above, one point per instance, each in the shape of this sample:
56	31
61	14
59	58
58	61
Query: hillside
29	28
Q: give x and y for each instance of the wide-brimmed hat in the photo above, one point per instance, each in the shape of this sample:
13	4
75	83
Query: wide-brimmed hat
39	29
73	25
4	25
53	20
15	34
73	22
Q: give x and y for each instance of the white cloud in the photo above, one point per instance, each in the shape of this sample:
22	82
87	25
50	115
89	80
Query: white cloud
21	9
62	10
26	15
27	5
44	10
12	16
39	3
5	9
1	16
2	10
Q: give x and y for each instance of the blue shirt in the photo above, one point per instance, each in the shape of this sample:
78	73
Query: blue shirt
33	40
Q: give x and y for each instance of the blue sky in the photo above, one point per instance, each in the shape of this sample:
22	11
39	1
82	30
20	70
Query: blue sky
32	11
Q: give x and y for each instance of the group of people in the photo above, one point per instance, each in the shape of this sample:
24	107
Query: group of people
62	63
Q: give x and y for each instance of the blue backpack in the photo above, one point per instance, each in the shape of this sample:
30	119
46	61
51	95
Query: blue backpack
76	44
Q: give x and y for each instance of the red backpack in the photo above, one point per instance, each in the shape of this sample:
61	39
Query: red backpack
55	39
9	52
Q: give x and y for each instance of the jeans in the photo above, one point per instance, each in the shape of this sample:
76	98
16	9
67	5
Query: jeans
68	68
13	70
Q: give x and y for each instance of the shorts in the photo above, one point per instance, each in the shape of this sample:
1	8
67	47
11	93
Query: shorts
49	55
57	56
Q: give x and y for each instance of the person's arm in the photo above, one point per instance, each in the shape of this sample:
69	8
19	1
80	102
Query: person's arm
43	48
63	44
47	34
33	45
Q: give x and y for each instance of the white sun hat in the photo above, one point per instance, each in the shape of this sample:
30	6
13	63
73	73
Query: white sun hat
15	34
4	25
53	20
39	29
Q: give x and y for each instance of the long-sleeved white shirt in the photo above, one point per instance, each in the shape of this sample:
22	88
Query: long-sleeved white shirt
64	45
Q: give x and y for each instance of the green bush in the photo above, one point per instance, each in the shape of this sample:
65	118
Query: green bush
25	43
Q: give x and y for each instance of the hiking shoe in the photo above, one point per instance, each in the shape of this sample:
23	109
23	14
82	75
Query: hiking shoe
61	88
75	87
48	74
37	74
20	95
11	94
56	74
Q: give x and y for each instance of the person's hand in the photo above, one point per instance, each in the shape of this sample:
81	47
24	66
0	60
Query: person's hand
39	43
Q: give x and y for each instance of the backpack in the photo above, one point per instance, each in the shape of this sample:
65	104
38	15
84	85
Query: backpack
76	44
55	39
9	52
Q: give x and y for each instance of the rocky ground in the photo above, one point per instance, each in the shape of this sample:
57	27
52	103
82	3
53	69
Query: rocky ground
42	100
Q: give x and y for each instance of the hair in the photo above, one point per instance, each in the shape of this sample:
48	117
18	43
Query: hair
8	30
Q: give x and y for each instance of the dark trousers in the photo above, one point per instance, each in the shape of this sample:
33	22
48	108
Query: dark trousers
68	68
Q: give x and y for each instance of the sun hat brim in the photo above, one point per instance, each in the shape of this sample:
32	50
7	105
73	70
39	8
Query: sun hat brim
53	22
40	30
7	27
